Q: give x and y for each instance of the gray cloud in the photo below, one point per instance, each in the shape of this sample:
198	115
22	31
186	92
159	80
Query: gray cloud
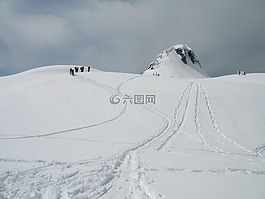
127	35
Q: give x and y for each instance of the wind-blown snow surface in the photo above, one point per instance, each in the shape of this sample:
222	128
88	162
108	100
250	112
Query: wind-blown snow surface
60	137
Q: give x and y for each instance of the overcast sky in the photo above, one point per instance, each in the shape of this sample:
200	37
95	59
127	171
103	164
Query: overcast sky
125	36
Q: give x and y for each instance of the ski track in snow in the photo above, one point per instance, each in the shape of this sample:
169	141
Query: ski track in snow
203	136
222	135
178	123
14	193
78	128
100	180
130	167
68	130
122	175
213	171
259	150
130	160
89	140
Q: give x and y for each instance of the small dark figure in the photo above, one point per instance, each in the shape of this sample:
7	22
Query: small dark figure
72	72
151	66
88	68
76	69
241	72
82	69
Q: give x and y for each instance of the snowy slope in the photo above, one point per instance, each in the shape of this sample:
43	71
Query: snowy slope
176	61
61	137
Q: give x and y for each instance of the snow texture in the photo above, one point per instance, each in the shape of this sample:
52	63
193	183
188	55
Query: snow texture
60	136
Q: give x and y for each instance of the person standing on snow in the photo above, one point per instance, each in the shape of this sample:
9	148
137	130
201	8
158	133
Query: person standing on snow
72	72
76	69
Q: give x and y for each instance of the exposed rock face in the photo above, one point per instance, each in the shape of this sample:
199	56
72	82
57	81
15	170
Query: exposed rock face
176	61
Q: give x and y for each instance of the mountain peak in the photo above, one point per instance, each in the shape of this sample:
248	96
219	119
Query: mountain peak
177	61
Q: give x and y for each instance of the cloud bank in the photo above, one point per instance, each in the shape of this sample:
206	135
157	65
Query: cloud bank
125	36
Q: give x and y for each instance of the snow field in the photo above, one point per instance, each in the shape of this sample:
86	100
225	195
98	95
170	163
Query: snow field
203	138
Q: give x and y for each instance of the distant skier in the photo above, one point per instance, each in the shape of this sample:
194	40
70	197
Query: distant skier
82	69
88	68
76	69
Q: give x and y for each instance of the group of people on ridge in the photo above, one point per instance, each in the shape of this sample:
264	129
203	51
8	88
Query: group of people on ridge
76	69
241	72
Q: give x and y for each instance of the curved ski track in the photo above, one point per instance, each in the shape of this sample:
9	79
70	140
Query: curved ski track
127	168
203	136
124	174
77	128
101	181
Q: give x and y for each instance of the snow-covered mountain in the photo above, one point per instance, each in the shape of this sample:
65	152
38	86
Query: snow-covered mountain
114	135
177	61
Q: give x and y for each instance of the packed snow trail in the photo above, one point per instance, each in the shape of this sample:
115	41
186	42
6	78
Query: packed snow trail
178	123
129	158
180	119
199	129
205	138
76	180
103	171
217	129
